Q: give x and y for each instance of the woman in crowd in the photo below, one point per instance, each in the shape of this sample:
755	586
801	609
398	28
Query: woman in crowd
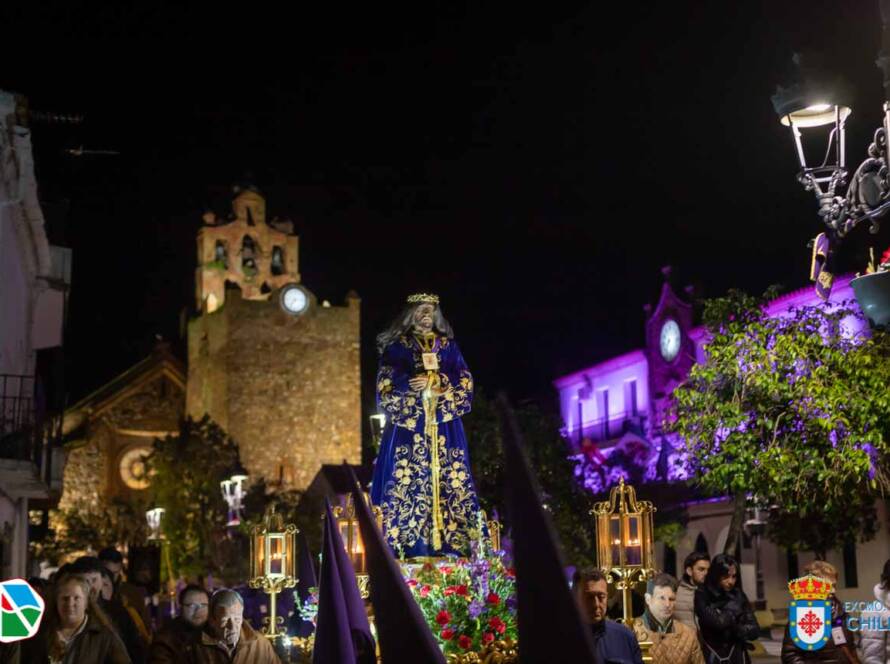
876	643
725	619
74	630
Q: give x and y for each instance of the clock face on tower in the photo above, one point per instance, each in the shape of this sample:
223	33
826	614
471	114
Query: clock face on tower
294	299
669	340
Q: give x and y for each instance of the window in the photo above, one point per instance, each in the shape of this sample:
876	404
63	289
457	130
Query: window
630	398
851	570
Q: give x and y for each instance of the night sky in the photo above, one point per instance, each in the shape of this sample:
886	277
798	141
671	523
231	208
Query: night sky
533	163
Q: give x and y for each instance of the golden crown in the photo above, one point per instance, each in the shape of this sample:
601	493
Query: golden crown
810	587
423	298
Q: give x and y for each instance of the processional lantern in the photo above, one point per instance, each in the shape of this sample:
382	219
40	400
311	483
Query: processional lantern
625	547
350	533
273	548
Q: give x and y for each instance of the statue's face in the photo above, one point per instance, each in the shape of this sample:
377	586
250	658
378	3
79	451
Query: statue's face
423	318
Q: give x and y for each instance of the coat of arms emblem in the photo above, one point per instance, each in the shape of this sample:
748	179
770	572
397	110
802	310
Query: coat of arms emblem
809	614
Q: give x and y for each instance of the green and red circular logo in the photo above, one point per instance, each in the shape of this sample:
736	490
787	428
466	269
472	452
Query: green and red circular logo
21	609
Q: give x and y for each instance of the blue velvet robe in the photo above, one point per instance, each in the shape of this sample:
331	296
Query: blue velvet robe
402	481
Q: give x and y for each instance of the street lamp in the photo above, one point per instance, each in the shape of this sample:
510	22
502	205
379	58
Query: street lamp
624	536
378	423
233	493
815	102
153	517
273	549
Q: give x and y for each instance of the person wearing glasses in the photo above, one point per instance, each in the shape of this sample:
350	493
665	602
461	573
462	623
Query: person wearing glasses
176	640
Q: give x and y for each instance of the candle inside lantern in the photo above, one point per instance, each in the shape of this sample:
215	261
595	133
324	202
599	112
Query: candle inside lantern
276	555
633	549
358	550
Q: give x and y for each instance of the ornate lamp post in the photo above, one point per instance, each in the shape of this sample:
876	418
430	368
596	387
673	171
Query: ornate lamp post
352	539
625	549
815	103
273	550
155	517
233	493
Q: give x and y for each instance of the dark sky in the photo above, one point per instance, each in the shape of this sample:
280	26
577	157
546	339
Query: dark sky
534	163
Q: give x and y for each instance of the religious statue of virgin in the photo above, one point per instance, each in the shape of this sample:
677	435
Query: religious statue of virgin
422	476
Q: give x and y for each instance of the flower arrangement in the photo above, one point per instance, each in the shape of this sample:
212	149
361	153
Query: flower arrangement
469	604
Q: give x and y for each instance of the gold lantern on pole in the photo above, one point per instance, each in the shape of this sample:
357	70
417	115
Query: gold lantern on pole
347	524
273	549
624	536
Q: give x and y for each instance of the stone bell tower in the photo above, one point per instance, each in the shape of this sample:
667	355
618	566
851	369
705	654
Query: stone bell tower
276	369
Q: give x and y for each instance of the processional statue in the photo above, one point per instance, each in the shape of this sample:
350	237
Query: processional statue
422	477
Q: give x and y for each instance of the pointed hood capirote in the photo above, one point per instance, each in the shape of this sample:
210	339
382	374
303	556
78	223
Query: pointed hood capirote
402	630
545	603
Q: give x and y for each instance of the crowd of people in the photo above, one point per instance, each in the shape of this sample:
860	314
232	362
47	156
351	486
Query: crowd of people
706	618
94	616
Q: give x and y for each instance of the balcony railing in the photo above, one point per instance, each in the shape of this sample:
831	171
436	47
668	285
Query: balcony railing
606	429
27	432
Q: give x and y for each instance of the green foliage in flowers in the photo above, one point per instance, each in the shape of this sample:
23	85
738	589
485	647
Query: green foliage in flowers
793	410
186	473
566	500
467	603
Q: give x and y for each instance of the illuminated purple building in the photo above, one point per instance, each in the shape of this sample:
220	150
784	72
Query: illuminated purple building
612	413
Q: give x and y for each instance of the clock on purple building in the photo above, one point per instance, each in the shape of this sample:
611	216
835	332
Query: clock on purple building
669	340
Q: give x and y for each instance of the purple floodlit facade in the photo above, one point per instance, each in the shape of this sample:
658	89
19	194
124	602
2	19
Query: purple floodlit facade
612	411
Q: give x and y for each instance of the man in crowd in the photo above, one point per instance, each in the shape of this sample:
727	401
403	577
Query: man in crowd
695	569
672	641
227	639
612	642
175	642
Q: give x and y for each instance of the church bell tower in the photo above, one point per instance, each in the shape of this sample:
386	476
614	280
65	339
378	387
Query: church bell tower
276	369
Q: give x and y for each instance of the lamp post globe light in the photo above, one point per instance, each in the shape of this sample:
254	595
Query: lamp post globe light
816	106
233	493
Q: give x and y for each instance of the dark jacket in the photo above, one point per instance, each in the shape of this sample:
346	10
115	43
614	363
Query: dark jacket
829	653
726	624
614	643
252	648
175	642
126	628
96	644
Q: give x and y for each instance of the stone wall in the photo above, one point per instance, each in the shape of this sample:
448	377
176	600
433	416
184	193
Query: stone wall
287	389
92	471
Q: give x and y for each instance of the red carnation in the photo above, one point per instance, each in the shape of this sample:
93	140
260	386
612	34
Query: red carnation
445	569
424	591
443	617
465	642
493	599
510	571
460	590
412	582
487	638
448	591
885	257
497	625
447	634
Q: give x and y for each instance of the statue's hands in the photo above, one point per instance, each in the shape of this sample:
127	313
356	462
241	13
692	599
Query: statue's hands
418	383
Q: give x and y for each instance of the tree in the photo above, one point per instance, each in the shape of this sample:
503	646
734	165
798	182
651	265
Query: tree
793	410
568	503
186	473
